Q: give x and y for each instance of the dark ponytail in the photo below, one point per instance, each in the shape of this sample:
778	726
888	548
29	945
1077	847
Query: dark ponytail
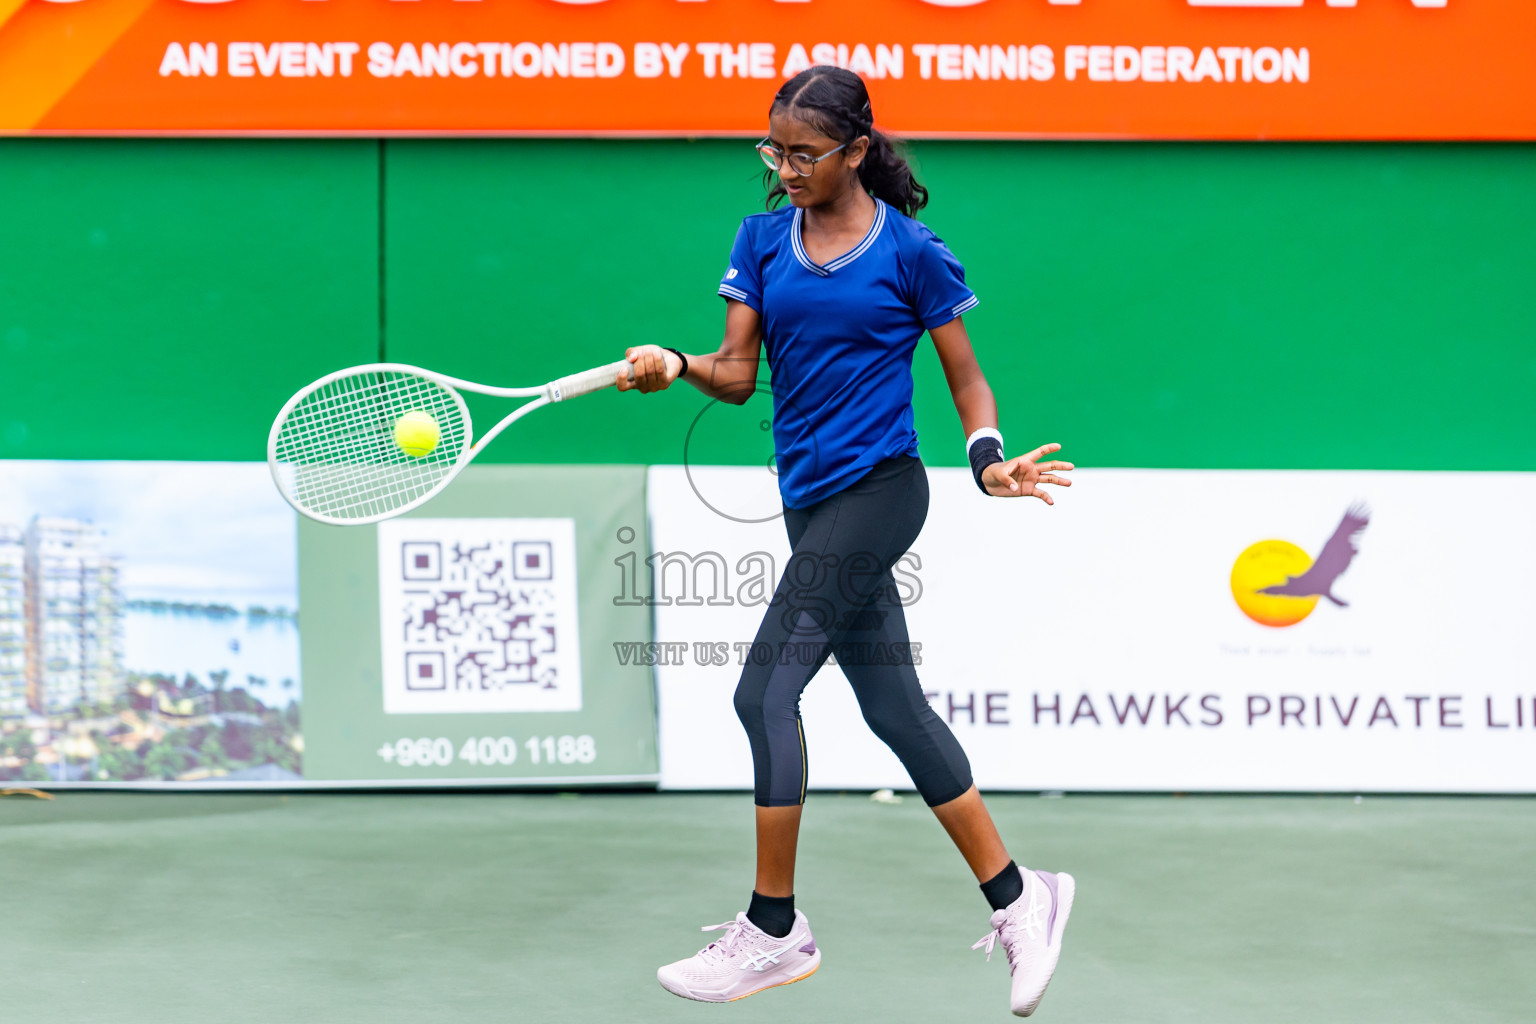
835	103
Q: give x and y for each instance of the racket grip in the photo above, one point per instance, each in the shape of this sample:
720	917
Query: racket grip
588	381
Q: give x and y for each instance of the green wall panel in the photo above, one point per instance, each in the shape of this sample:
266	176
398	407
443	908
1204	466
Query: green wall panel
160	299
1266	306
1148	305
512	262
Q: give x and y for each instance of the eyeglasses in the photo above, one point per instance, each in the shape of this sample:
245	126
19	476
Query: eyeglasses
803	163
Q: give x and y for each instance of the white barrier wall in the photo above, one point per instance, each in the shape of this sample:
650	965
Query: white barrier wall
1100	644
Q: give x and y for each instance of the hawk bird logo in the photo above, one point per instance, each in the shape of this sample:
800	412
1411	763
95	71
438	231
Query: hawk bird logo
1320	576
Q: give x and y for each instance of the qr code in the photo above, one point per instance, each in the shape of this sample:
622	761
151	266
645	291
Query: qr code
479	615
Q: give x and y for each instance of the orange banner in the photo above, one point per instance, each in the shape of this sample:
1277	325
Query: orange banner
1173	69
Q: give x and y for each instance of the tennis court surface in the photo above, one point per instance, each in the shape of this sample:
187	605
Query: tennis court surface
494	907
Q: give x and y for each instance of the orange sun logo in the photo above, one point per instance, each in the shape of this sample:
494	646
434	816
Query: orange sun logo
1276	583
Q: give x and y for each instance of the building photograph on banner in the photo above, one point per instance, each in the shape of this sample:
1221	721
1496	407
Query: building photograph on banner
149	625
1231	69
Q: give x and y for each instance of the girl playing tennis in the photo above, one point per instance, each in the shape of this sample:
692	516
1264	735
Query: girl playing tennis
838	288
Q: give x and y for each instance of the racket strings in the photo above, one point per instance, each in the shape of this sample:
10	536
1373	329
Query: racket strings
348	464
337	450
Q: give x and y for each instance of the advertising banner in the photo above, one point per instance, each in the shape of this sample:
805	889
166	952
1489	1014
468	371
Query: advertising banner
150	616
1151	69
472	641
1155	630
149	629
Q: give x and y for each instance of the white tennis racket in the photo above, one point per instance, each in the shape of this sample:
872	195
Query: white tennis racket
333	451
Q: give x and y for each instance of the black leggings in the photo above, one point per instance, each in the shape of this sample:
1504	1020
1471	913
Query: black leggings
838	595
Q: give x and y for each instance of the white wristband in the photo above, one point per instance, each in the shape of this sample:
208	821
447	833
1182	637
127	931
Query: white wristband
980	433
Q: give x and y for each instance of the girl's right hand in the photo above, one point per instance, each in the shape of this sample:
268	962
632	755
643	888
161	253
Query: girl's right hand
655	369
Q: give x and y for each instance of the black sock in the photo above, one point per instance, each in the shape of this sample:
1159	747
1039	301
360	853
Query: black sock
1004	887
773	914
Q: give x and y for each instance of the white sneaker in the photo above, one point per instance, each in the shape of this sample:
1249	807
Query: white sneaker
743	962
1030	929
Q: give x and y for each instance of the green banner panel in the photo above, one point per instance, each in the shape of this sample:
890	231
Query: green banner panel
1247	306
160	299
1156	305
438	647
512	262
1164	305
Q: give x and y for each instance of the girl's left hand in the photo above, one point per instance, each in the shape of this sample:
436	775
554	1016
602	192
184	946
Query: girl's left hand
1022	476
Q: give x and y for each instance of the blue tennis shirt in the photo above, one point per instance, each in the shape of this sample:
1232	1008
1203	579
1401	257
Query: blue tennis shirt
839	338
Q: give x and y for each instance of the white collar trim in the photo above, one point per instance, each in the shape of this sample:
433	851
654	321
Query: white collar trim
826	269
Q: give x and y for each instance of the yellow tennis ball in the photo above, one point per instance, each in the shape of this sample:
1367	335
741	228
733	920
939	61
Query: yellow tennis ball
417	433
